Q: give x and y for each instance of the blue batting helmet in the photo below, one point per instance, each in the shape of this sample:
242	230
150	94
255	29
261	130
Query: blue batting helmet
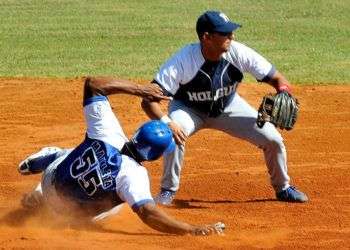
153	139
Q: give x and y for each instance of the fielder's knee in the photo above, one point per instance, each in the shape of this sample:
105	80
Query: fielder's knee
273	139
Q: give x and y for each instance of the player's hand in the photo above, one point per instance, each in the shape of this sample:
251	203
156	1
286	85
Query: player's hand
152	92
217	228
179	135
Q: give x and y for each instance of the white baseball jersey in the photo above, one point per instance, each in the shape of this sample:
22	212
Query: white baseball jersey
209	86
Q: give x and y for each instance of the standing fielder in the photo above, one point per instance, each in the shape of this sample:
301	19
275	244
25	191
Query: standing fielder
104	171
202	78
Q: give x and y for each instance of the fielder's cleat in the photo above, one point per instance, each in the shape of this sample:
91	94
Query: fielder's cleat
165	197
38	162
32	200
291	194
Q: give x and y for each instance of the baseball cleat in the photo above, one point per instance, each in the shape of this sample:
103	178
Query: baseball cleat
38	162
291	194
165	197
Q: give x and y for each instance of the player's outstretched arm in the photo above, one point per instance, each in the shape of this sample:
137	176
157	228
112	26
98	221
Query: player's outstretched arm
108	86
160	221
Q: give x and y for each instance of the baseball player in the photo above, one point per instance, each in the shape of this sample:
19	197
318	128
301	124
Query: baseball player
104	171
202	78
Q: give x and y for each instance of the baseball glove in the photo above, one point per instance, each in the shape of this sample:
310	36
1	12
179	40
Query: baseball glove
280	109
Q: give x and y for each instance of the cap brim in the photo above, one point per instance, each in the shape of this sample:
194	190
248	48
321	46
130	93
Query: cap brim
228	27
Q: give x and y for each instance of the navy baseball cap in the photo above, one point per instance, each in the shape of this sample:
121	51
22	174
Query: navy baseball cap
215	21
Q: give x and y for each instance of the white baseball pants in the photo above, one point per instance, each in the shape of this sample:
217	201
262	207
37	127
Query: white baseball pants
237	120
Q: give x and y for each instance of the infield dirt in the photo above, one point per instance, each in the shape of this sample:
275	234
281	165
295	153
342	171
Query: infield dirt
223	179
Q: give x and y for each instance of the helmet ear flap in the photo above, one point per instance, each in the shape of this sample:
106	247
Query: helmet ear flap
153	139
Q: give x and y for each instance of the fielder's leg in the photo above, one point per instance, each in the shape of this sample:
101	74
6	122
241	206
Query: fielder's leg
239	120
190	122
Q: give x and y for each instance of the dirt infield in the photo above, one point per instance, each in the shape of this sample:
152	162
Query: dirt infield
223	178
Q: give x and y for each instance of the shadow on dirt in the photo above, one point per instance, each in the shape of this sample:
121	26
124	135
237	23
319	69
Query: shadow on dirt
42	217
18	217
91	227
188	204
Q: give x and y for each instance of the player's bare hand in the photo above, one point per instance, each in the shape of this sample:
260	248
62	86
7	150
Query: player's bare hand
179	135
217	228
152	92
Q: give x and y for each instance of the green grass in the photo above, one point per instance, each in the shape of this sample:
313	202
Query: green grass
309	41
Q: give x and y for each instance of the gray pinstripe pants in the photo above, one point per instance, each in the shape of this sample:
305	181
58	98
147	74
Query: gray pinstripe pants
238	120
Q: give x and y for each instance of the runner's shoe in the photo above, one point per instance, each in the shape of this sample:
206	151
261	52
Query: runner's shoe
39	161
